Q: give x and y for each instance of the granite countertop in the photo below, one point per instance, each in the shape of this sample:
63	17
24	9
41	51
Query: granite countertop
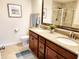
52	37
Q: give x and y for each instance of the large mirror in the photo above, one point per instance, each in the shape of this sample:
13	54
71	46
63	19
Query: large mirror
61	12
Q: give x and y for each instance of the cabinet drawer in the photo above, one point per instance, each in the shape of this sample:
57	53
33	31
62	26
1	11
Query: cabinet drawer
33	34
41	56
61	50
41	47
41	39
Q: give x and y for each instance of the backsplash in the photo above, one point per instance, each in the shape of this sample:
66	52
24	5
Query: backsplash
63	31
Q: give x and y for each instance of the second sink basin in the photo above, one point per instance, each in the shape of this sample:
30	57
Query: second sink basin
66	41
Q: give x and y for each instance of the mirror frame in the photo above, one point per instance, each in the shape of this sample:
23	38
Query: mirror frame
59	26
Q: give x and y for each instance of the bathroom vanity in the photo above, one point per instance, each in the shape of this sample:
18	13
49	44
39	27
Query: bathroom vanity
45	46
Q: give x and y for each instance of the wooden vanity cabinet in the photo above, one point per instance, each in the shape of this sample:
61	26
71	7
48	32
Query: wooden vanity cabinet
45	49
33	42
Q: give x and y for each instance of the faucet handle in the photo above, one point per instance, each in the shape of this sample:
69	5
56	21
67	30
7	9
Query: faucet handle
76	35
71	34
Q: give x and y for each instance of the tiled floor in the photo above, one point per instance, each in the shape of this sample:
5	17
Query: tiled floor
10	52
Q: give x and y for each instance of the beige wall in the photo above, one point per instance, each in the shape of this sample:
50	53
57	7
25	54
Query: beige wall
37	6
76	16
56	5
7	25
70	5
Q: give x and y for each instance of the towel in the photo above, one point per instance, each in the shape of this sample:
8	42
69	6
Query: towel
34	19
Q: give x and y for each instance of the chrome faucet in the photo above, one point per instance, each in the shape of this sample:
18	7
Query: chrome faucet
72	35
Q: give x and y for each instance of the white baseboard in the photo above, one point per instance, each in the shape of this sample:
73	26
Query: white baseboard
10	43
14	43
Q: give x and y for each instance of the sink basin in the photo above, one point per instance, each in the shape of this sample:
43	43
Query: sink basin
66	41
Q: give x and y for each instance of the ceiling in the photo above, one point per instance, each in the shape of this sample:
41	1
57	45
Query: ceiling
64	1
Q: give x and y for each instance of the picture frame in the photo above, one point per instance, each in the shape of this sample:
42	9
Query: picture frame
14	10
44	12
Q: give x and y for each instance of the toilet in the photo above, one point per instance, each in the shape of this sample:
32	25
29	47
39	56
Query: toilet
25	41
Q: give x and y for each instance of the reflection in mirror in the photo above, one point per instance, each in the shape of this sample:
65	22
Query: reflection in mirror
59	12
65	12
47	11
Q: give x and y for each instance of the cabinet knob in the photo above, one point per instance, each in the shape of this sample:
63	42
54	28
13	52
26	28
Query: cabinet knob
41	47
32	39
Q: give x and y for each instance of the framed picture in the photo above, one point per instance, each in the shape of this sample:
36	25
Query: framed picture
14	10
44	12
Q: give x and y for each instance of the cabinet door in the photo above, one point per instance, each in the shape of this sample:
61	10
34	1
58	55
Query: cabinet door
50	54
31	44
35	46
